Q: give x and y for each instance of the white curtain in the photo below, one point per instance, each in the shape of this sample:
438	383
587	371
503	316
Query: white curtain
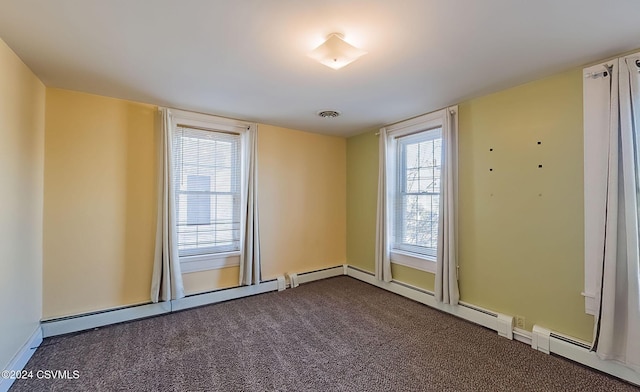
617	328
446	284
166	282
250	254
382	255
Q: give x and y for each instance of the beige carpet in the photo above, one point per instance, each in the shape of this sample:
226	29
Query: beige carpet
337	334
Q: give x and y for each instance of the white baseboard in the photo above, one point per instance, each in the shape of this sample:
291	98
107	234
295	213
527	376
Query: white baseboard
113	316
223	295
522	335
306	277
21	358
588	358
474	314
486	318
541	339
100	319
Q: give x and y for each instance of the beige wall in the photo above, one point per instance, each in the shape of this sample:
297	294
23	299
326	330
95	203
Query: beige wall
99	203
302	200
99	209
203	281
520	226
22	110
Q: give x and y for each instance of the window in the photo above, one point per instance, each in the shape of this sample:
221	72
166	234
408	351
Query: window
414	154
209	189
417	201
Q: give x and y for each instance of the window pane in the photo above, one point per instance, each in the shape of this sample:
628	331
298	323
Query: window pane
207	188
418	191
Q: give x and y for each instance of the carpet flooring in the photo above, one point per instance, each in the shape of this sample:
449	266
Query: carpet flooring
337	334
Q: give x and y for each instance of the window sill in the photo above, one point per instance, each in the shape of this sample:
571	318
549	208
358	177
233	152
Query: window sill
189	264
412	260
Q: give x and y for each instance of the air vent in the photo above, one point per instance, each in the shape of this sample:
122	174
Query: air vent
328	114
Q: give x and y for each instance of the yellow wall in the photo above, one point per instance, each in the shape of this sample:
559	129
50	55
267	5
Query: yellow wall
22	110
99	203
99	209
520	226
203	281
362	188
302	200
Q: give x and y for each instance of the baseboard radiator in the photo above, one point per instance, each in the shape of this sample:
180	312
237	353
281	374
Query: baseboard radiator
65	325
540	338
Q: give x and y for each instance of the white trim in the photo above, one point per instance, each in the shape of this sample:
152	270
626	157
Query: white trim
541	339
293	280
103	318
306	277
557	343
199	263
522	335
588	358
21	358
223	295
420	123
505	326
109	309
590	303
414	261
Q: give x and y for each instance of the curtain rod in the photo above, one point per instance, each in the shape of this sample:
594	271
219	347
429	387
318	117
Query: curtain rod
206	129
451	111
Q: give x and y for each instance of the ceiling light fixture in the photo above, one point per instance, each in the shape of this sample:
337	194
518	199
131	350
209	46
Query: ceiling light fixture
335	52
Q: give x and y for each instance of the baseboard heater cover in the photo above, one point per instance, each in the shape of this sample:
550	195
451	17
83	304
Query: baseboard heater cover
483	317
76	323
541	339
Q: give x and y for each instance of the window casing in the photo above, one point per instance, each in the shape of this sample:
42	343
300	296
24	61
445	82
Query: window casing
413	169
209	183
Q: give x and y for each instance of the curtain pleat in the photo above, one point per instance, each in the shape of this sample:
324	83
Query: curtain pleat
166	281
446	283
382	256
250	253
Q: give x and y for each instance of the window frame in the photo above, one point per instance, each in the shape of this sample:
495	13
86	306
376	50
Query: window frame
425	123
189	261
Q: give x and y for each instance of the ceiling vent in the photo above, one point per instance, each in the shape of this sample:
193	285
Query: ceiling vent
328	113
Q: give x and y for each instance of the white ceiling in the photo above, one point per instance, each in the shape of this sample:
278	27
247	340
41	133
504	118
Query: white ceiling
248	59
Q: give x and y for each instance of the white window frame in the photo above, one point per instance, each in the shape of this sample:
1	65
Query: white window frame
201	262
423	123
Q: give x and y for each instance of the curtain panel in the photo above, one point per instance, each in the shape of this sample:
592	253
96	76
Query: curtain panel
617	316
166	281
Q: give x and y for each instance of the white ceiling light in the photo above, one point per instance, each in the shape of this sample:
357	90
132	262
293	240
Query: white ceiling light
335	52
